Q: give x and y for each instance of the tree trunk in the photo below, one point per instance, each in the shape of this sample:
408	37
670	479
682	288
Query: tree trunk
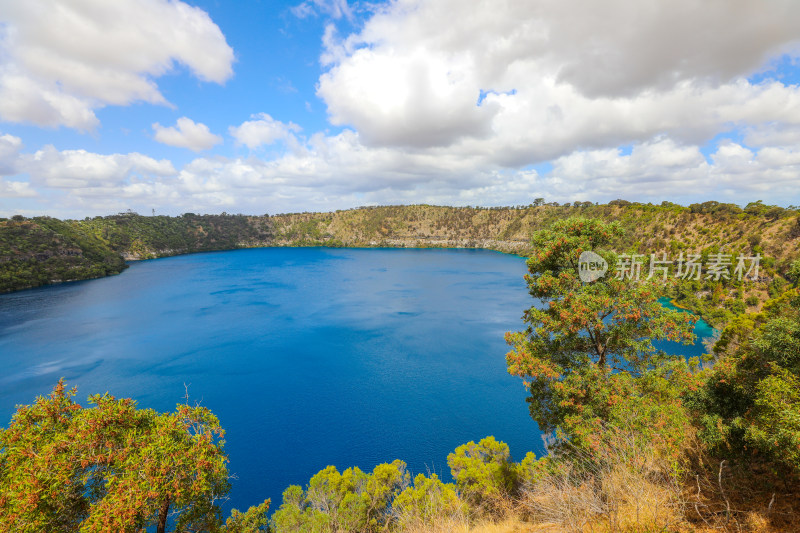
162	516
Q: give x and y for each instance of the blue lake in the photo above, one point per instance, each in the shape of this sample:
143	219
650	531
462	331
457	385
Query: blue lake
309	356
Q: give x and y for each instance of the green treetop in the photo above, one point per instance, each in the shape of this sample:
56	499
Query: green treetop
586	342
113	467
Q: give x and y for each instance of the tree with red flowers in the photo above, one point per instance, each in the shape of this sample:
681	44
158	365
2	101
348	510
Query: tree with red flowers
110	467
587	343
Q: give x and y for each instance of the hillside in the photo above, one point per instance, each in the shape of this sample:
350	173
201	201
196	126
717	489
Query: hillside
648	229
138	237
44	250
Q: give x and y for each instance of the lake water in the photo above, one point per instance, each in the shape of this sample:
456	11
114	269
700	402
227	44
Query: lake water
309	356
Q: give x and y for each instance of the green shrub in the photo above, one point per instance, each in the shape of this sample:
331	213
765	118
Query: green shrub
483	473
342	502
427	502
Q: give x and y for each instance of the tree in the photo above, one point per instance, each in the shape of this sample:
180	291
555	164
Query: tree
351	501
427	502
587	344
756	208
110	467
484	473
794	272
749	407
253	520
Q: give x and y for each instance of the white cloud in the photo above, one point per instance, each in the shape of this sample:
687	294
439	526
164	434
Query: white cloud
408	100
662	169
78	169
51	78
657	169
262	130
442	104
773	134
186	134
16	189
9	153
336	172
530	81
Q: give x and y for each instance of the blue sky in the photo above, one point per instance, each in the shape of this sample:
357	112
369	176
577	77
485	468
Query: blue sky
266	106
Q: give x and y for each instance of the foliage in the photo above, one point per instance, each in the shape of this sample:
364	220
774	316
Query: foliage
427	502
486	481
580	351
715	208
484	473
649	406
157	236
45	250
794	272
251	521
349	501
111	467
748	408
774	426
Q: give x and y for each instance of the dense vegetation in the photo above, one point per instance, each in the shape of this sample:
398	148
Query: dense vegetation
139	237
640	441
45	250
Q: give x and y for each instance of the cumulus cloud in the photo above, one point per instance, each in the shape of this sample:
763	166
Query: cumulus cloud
186	134
262	130
536	80
335	172
16	189
50	78
76	169
773	134
663	169
312	178
493	104
660	168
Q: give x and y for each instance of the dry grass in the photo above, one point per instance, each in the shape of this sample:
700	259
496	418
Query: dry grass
512	524
629	487
626	487
724	497
445	525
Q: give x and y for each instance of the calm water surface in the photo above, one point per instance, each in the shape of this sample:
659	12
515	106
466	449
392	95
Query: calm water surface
309	356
